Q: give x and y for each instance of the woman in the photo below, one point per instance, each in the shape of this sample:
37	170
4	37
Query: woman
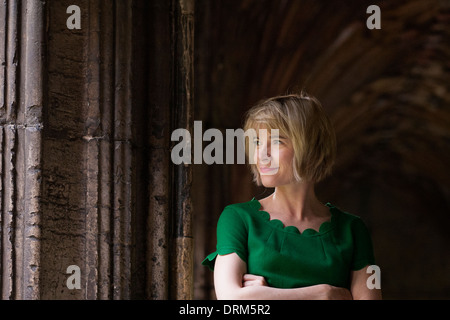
289	245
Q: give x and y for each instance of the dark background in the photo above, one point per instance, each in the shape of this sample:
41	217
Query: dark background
387	93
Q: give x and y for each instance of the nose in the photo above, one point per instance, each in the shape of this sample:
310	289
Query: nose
264	154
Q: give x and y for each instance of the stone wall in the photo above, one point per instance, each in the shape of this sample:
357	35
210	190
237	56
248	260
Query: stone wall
86	118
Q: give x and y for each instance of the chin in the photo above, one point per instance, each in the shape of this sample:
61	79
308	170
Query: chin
272	181
269	182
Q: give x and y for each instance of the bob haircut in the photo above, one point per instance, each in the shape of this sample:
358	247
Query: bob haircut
302	120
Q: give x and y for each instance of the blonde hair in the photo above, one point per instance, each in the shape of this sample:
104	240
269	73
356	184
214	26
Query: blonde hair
303	121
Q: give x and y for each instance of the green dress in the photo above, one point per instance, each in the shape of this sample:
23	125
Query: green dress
287	258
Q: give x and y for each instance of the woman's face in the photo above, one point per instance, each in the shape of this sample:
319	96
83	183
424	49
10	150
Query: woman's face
273	157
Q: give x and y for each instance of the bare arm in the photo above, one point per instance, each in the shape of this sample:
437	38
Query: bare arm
229	273
359	288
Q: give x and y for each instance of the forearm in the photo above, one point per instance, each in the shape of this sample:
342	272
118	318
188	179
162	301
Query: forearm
270	293
359	287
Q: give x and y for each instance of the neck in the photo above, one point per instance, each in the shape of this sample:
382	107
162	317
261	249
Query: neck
297	199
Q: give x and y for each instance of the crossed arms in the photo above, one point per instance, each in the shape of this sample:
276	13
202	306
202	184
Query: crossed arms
233	283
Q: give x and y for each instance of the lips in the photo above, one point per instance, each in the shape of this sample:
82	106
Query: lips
268	170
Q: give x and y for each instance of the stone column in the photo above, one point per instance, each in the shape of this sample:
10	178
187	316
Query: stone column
183	244
21	124
85	122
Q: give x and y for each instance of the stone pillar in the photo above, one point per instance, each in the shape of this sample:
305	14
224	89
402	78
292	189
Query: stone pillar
183	245
169	238
86	176
21	124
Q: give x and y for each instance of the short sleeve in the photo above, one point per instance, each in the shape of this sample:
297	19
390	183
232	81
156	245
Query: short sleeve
363	249
232	236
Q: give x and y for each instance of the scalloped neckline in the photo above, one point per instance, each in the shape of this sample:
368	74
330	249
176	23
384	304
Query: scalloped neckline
324	227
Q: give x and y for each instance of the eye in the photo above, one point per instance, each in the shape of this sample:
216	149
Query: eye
256	142
277	141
